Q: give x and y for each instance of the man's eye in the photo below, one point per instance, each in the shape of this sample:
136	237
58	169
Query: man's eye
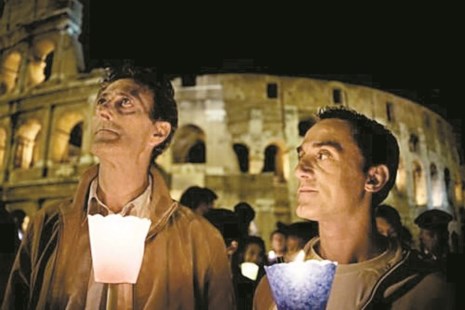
101	101
125	103
322	155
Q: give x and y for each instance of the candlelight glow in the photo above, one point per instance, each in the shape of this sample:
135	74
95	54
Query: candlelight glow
272	255
117	247
300	257
301	284
249	270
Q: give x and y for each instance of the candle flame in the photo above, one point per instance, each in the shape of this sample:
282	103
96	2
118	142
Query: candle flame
300	257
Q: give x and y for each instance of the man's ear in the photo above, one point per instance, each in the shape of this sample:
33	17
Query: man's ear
377	177
161	130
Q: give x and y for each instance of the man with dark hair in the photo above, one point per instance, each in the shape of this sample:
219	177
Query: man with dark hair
388	221
199	199
347	165
434	235
184	264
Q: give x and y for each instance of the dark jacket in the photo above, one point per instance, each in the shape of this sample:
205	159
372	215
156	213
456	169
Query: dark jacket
409	283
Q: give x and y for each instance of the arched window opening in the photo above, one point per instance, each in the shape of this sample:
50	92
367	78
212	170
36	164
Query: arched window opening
242	154
436	188
40	62
337	96
269	164
26	144
189	145
419	185
48	65
9	72
447	182
196	154
273	161
75	142
66	140
413	143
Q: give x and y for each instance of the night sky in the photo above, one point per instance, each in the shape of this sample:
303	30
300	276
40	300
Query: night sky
414	65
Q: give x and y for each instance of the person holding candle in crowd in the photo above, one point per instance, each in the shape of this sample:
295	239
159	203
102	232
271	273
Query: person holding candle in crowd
184	264
347	164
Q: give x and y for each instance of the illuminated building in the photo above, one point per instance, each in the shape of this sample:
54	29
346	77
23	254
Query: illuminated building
237	132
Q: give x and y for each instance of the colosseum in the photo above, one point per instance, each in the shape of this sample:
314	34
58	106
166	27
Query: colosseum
237	132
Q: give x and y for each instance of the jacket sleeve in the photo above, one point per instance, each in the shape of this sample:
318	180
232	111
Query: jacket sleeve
263	298
33	254
17	290
219	285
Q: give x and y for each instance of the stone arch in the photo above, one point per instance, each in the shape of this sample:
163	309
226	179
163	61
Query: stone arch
448	185
67	138
274	160
242	154
3	136
401	178
40	61
26	144
9	72
189	145
419	184
413	143
436	186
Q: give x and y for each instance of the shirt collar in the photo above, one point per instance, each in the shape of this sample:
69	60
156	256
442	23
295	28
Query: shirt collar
139	206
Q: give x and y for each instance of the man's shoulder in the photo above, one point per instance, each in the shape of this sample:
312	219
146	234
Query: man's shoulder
198	225
191	219
410	279
50	214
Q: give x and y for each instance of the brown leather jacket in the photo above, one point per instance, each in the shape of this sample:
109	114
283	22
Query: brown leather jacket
184	267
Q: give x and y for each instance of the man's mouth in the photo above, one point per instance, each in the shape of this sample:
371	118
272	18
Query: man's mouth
103	130
306	190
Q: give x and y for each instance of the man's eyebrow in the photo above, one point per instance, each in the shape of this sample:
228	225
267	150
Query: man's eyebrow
334	144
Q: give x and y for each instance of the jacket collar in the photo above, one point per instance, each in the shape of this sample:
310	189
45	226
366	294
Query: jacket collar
162	206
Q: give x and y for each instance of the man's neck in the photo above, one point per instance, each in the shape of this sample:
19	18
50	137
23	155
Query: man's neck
357	242
119	184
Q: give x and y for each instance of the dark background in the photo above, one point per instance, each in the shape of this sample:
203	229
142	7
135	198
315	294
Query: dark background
414	61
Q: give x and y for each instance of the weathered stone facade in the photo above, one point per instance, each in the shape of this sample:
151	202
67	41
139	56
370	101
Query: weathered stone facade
240	109
237	132
45	103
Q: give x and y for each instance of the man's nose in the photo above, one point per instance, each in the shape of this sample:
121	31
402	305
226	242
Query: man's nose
303	169
105	110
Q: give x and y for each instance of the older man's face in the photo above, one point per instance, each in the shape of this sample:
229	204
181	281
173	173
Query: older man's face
121	124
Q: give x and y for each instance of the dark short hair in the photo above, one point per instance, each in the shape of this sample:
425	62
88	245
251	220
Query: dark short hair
391	215
164	105
376	143
244	211
278	231
193	196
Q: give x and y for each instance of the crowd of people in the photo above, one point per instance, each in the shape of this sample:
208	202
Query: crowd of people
199	256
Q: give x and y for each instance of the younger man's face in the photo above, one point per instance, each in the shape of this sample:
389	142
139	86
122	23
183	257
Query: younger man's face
330	172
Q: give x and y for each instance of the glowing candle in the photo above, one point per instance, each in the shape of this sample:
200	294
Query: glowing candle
249	270
301	284
117	247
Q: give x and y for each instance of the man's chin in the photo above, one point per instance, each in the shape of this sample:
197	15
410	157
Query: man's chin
103	149
302	211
